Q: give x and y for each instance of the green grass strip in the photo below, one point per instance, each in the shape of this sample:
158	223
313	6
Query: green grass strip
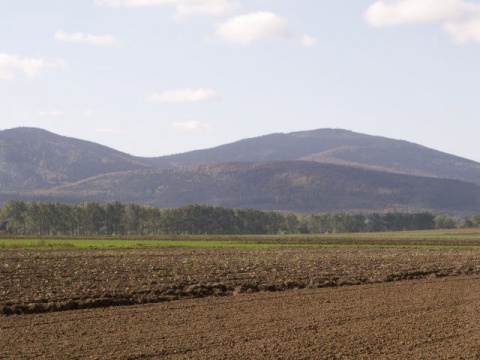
9	244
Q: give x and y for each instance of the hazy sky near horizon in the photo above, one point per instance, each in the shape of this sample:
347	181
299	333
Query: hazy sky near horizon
156	77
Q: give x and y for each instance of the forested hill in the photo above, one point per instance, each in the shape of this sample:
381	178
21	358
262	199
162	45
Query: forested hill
338	147
310	171
290	185
32	159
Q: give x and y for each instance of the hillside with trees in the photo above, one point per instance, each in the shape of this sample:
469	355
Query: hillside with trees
338	147
288	185
32	159
309	171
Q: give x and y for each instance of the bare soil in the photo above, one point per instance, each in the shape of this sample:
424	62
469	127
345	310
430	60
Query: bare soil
431	318
232	304
36	281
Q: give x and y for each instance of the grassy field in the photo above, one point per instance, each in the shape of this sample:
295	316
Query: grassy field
469	238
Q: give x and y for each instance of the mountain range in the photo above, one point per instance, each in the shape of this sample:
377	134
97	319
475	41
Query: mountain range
307	171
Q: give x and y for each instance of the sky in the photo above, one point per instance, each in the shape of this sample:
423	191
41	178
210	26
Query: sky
158	77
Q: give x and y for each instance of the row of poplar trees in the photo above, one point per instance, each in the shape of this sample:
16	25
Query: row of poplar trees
94	219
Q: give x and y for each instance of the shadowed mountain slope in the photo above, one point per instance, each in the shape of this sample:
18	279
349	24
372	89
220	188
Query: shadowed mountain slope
309	171
33	159
337	147
287	185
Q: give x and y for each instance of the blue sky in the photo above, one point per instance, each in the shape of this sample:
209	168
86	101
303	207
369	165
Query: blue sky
156	77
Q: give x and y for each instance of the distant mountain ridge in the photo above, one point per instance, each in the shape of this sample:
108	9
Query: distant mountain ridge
308	171
277	185
32	159
335	146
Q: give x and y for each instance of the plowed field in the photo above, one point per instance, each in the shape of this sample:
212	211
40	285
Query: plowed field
418	319
44	281
241	303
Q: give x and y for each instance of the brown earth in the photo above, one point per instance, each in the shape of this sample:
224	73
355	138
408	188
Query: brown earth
432	318
35	281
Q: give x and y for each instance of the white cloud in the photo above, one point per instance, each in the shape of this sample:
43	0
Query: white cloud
185	95
308	41
246	29
205	7
398	12
183	8
13	67
459	18
50	113
95	40
191	126
466	32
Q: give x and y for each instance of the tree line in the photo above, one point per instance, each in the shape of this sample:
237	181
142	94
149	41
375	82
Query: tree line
18	217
